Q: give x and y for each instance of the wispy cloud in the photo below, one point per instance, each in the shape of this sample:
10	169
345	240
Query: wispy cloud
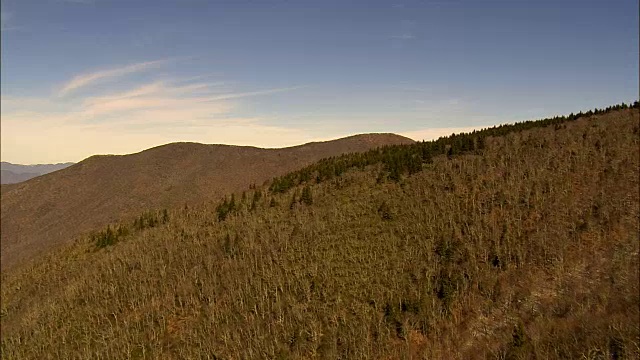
197	77
403	36
406	30
79	1
412	88
197	87
254	93
84	80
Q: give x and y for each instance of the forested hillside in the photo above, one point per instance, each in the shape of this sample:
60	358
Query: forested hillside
42	213
519	241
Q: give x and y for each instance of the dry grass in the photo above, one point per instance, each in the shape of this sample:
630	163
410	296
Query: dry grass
527	251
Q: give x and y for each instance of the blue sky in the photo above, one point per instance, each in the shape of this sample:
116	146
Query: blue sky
81	77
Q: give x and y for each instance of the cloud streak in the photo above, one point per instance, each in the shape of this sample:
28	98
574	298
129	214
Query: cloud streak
87	2
406	31
85	80
403	37
254	93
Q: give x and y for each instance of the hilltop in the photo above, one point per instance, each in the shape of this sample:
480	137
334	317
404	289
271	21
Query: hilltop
513	242
46	211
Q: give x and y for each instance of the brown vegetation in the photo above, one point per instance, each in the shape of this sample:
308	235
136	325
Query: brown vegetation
51	209
528	250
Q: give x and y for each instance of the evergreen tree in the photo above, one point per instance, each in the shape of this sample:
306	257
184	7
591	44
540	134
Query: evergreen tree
450	152
480	143
306	197
305	175
385	211
394	173
256	197
414	164
292	205
222	209
232	203
426	154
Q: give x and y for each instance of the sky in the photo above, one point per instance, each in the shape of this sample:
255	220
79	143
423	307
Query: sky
85	77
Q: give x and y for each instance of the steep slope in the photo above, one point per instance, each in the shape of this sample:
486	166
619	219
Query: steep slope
50	209
525	248
14	173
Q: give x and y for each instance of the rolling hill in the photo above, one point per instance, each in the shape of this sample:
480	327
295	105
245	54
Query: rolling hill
516	242
50	209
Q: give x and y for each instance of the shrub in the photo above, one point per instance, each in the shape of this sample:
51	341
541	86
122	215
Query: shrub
385	211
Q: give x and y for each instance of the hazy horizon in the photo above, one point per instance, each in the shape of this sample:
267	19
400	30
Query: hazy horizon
430	134
86	77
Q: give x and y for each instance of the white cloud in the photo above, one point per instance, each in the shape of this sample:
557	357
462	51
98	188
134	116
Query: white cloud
198	77
88	79
406	30
253	93
191	107
147	89
194	98
199	87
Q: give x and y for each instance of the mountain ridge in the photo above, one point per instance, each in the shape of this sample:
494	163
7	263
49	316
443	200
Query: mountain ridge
105	188
511	242
14	173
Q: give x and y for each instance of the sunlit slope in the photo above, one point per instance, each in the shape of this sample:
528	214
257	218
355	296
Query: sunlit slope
528	247
39	214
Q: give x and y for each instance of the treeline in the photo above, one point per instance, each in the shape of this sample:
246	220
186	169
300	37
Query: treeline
556	120
397	160
111	235
229	206
401	160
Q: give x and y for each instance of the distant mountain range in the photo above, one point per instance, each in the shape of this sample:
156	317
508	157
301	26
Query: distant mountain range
15	173
51	209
